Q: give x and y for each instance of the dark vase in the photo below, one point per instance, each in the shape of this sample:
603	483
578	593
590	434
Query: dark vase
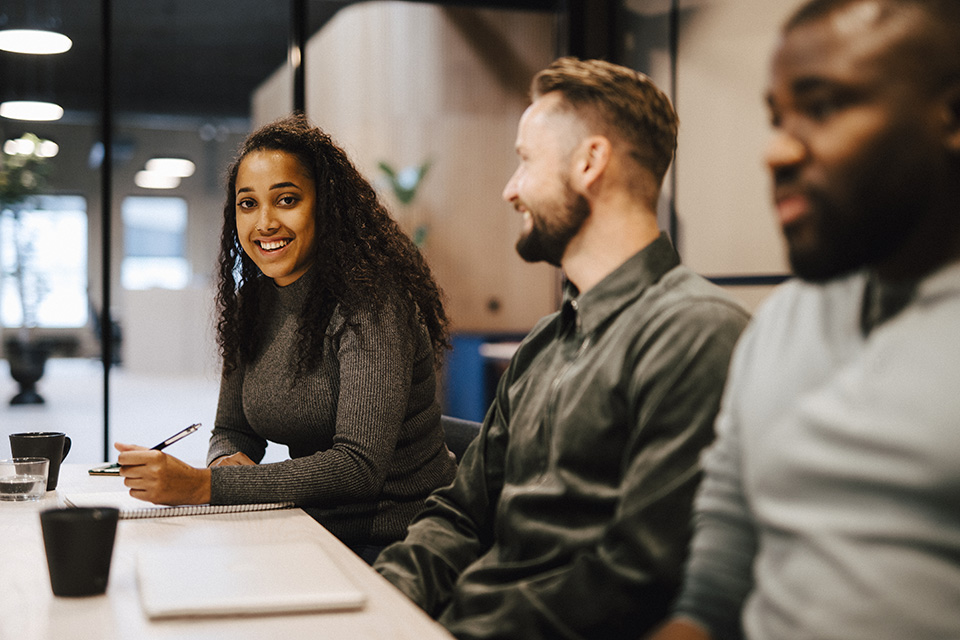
26	360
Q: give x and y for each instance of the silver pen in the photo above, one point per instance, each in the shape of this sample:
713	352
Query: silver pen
180	435
175	437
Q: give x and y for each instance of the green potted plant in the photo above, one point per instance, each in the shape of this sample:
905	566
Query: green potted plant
404	185
23	171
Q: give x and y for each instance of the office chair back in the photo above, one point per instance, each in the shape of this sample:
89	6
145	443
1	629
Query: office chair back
458	434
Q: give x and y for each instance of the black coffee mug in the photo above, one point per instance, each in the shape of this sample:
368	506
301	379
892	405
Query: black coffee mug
79	547
52	445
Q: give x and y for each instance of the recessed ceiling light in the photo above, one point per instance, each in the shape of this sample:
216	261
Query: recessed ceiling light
154	180
34	41
179	167
31	110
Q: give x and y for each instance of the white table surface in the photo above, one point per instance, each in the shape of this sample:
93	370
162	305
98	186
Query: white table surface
30	611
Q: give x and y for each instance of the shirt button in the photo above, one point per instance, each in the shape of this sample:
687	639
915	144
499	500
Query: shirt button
575	305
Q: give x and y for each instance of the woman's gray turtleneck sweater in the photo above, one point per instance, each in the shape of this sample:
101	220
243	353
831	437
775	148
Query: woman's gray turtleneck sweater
362	430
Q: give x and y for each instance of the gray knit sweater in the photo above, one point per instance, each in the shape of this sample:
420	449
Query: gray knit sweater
363	430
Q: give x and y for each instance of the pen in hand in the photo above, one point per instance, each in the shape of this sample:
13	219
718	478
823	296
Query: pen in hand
175	437
166	443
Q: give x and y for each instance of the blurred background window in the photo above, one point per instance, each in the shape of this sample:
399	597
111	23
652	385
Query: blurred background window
154	243
53	231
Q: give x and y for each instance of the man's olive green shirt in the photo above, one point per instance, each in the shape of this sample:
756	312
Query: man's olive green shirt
570	514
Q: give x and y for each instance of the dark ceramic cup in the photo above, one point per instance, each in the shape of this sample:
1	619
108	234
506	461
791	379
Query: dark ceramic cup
79	547
52	445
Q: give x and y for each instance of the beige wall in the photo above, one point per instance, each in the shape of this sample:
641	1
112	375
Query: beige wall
726	221
727	224
723	187
725	218
406	82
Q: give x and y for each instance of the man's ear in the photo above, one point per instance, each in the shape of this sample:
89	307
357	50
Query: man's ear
592	159
951	102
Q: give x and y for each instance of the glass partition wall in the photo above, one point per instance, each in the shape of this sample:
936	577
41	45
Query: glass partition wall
139	82
50	212
111	210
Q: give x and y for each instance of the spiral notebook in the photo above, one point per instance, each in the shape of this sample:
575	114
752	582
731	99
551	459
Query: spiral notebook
131	508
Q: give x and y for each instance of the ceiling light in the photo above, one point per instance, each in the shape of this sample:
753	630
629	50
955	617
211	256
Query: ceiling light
19	147
154	180
34	41
179	167
47	149
31	145
31	110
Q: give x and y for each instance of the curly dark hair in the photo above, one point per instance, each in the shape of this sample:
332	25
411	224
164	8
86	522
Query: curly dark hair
360	254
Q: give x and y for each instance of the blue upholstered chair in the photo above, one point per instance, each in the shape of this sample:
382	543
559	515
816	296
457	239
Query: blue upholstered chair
459	434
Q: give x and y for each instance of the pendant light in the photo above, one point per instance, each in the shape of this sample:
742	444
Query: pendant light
30	36
34	41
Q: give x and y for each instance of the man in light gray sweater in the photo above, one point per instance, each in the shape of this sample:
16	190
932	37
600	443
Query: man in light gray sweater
830	508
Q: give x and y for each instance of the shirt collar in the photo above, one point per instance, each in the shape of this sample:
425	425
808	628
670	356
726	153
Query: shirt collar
883	300
623	285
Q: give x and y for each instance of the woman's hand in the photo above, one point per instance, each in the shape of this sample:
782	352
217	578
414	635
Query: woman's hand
236	460
156	477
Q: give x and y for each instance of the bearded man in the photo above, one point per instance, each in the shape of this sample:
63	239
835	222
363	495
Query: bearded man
570	513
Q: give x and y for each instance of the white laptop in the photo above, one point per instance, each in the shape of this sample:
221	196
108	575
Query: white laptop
226	580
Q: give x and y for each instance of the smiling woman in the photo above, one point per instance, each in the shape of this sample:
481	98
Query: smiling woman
276	199
331	328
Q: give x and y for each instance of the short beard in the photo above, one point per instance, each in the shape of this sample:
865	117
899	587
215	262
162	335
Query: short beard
844	245
548	242
825	262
